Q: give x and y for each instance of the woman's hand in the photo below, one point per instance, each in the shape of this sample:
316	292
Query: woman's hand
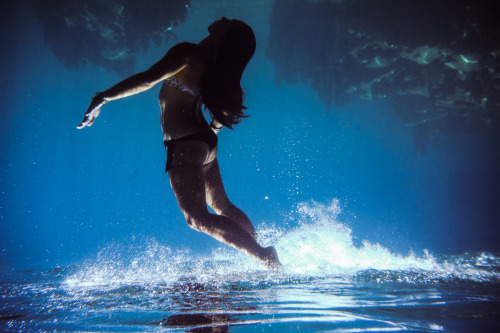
93	110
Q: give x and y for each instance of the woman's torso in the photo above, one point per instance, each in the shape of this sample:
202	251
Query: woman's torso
181	112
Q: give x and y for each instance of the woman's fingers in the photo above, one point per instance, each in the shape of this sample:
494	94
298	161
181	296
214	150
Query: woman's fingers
89	117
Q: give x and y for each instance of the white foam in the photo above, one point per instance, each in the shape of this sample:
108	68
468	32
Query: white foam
318	246
321	245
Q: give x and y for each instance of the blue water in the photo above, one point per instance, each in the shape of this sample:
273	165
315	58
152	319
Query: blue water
328	284
372	235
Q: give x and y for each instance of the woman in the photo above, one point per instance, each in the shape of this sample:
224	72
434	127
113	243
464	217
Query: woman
208	73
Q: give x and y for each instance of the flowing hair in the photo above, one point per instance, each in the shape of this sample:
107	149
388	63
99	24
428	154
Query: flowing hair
221	90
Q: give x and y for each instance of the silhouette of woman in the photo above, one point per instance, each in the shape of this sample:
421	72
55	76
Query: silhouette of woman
207	73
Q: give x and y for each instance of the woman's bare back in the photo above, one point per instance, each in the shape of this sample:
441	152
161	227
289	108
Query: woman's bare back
181	113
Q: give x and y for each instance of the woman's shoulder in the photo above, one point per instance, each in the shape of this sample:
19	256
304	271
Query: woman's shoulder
187	48
192	53
189	52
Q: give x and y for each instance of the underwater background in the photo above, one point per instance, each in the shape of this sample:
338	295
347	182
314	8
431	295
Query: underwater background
384	213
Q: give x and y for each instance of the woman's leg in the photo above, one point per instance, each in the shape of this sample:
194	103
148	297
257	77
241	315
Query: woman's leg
217	198
188	184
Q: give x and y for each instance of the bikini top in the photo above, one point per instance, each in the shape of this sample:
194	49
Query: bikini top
172	82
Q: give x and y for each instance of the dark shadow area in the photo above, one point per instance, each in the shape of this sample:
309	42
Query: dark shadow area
201	306
206	322
107	33
436	62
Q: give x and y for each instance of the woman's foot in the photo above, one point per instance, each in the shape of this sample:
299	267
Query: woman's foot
270	259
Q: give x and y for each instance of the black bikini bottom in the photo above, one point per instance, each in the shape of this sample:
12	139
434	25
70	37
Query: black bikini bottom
207	136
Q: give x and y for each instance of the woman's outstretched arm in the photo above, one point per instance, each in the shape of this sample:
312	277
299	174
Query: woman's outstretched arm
172	63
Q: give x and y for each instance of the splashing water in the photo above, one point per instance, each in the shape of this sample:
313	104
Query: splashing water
319	246
328	284
323	246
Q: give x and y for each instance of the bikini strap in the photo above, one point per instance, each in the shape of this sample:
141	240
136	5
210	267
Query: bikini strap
172	82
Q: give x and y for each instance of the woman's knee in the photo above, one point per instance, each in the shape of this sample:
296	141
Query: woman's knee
197	222
193	223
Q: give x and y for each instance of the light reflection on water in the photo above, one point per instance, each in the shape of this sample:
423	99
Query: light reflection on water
246	301
146	286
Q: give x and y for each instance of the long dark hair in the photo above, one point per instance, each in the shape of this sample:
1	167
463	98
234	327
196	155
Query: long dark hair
221	90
